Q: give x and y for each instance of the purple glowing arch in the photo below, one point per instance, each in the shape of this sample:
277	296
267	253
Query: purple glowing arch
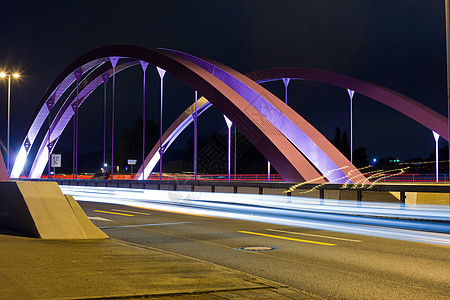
274	123
319	151
270	141
407	106
169	136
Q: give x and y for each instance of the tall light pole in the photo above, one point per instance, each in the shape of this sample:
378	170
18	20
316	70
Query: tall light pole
3	75
351	93
229	124
195	134
436	139
161	73
144	66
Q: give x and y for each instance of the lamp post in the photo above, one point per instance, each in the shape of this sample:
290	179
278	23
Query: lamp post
229	124
351	93
3	75
436	139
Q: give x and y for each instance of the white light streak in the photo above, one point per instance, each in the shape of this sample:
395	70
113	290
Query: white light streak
340	216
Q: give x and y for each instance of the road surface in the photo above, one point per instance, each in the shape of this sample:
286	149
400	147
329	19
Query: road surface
326	264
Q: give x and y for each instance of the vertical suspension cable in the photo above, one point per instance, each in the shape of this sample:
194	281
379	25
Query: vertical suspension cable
195	136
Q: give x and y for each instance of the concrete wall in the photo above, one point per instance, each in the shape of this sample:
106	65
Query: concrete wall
428	198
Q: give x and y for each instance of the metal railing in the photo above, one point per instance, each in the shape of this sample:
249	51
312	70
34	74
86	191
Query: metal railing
401	178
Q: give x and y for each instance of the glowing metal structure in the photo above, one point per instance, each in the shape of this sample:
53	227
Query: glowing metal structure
407	105
277	131
195	117
436	139
351	93
286	158
114	60
229	124
171	134
144	66
311	143
8	157
105	77
161	73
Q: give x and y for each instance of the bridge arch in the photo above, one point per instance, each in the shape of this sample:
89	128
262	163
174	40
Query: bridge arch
405	105
271	142
192	69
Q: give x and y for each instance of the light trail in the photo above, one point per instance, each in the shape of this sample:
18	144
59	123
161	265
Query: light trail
371	177
333	215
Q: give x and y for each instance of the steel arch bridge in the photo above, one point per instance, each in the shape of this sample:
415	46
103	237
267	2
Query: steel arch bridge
296	149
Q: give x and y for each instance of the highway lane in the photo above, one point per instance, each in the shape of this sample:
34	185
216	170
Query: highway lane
416	223
327	264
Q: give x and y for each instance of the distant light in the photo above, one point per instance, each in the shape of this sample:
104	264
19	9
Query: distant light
16	75
374	160
52	173
105	165
2	74
21	159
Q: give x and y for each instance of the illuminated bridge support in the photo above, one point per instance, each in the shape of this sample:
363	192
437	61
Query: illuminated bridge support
408	106
278	132
289	162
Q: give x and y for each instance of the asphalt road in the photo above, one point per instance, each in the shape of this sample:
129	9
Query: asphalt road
327	264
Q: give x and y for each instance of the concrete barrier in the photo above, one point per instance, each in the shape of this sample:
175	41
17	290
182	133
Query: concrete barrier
428	198
39	209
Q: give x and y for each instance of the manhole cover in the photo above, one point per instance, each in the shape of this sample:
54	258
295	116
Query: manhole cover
257	248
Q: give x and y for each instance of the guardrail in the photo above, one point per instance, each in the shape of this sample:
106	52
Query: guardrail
260	187
400	178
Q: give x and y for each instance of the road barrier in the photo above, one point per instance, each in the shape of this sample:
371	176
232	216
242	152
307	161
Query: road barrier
380	192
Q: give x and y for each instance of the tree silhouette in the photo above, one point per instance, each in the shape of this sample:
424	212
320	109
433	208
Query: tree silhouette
340	141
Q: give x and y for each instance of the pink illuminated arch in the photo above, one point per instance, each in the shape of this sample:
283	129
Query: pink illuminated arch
415	110
407	106
293	146
285	158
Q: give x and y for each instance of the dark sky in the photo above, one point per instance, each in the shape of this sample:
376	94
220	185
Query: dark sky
398	44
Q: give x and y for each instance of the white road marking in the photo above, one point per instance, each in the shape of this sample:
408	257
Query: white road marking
99	219
131	212
322	236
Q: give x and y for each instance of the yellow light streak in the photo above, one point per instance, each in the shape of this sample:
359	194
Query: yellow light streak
371	177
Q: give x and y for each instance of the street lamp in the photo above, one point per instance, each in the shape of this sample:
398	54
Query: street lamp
229	124
436	139
3	75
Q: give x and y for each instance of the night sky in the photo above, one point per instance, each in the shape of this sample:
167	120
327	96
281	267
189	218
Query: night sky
398	44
